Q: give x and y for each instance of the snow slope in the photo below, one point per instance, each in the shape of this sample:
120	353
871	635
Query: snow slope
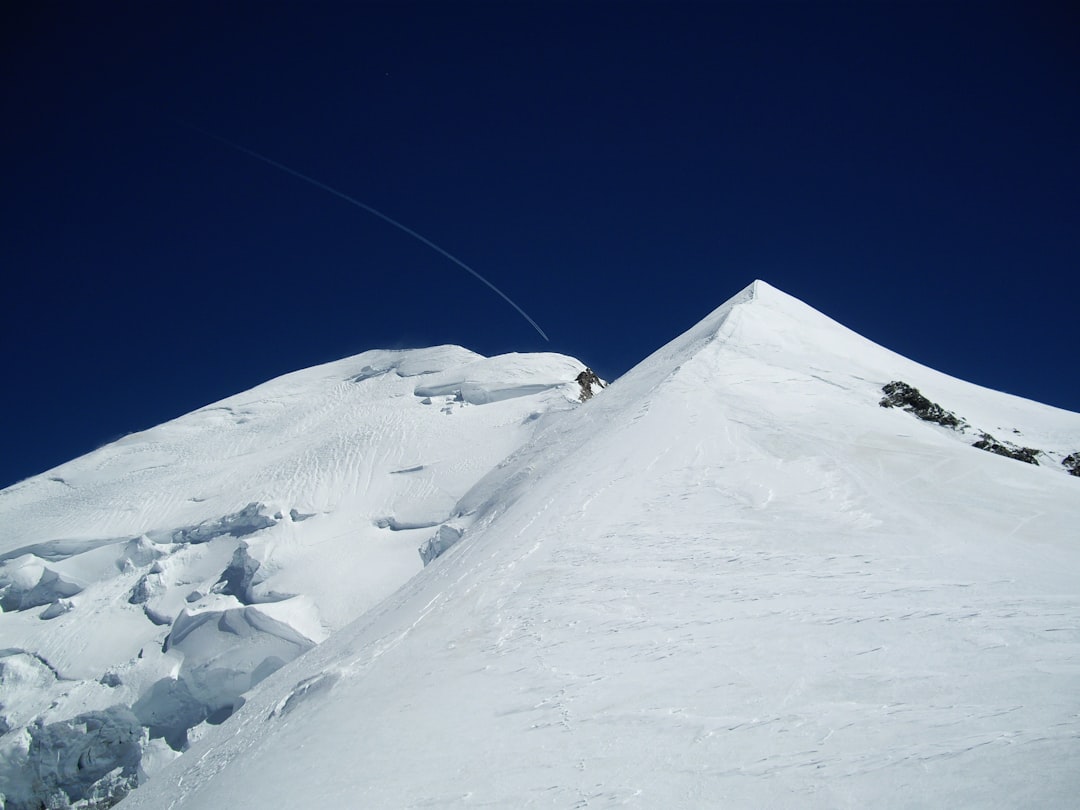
155	580
730	579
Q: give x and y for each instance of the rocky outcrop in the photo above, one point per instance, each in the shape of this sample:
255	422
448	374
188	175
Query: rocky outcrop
992	445
907	397
1072	464
901	395
587	380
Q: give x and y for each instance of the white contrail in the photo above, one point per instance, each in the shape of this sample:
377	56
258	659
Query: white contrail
370	210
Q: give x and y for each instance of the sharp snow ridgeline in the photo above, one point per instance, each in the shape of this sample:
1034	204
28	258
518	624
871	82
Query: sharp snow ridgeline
729	578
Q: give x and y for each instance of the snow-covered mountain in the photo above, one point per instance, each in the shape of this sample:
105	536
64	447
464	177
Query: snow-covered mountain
149	584
732	578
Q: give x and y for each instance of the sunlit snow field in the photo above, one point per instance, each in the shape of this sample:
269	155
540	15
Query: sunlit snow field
173	569
729	579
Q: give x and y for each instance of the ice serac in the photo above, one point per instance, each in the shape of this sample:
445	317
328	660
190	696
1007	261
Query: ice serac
147	586
732	579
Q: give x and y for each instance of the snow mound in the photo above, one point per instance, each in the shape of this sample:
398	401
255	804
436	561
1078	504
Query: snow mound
50	587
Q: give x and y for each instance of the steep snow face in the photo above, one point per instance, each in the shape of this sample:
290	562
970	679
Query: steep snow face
155	580
729	579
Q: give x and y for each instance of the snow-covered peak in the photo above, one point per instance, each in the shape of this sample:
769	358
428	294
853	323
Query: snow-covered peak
749	572
764	335
733	578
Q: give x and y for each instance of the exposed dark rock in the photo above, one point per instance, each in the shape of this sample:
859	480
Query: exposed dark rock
1072	464
587	379
901	395
992	445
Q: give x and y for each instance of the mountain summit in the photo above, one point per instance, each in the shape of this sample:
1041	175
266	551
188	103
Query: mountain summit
732	577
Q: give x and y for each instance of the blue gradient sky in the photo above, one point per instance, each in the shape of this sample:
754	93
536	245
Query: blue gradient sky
617	169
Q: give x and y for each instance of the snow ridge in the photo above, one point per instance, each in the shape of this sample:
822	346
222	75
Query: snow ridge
731	578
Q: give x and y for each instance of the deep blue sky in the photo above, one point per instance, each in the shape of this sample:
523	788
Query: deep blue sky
617	169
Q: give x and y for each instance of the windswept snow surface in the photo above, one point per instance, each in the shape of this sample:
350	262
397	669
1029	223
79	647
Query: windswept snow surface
729	580
167	573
